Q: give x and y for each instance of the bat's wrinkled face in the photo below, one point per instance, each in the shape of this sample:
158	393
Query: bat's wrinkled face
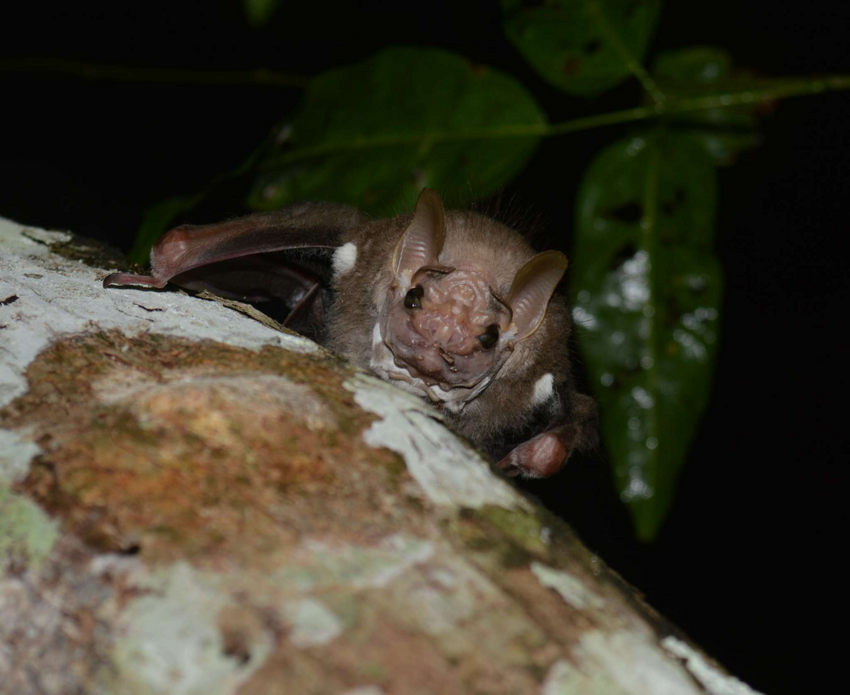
447	329
442	331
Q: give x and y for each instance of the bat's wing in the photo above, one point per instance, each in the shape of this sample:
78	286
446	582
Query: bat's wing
186	248
250	258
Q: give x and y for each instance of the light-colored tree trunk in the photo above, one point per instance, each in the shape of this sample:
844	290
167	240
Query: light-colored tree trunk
194	502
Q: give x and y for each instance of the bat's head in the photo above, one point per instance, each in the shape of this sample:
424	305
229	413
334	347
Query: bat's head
447	330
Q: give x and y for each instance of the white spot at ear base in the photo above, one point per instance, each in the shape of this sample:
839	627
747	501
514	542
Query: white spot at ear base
377	338
344	259
543	389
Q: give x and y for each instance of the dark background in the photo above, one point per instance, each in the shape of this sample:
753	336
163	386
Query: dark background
748	562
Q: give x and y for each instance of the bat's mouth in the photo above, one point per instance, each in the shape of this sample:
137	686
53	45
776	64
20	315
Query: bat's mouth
455	396
436	365
432	377
437	382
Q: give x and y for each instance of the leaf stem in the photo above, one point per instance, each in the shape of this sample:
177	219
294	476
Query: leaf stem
126	73
672	107
632	63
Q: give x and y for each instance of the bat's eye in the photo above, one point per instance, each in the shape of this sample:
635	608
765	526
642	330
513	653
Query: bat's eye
489	337
411	299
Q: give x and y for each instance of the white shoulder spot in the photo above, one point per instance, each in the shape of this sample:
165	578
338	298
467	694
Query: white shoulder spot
543	389
377	338
344	258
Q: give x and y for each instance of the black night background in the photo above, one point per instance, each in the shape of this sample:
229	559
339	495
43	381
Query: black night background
748	560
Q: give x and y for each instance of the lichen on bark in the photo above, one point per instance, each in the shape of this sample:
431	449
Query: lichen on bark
193	502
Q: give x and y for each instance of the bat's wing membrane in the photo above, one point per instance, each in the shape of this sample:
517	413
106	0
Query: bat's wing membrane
251	258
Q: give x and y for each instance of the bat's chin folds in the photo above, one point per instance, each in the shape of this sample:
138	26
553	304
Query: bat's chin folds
427	377
436	366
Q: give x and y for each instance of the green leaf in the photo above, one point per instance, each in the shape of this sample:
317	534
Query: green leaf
583	46
375	133
647	289
258	12
158	220
703	71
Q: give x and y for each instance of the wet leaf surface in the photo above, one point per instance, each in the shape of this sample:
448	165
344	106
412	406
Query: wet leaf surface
375	133
647	288
582	46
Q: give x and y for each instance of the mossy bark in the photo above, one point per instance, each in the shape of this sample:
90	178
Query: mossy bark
194	502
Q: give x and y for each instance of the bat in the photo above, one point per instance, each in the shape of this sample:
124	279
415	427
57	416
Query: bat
453	307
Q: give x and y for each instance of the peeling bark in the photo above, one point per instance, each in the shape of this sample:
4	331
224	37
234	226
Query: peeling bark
192	501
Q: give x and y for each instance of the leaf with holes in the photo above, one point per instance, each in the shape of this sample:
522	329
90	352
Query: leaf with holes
705	71
583	46
375	133
648	287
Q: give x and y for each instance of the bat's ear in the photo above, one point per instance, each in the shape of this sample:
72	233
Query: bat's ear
423	239
532	289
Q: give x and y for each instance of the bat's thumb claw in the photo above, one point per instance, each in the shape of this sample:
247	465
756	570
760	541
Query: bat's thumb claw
540	457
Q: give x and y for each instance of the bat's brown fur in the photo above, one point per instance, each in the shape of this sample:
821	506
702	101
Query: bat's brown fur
510	410
504	410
